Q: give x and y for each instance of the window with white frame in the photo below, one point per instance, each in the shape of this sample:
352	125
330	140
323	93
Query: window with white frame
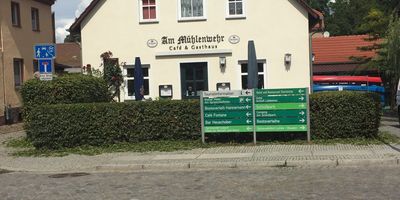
244	75
129	72
191	9
235	8
148	10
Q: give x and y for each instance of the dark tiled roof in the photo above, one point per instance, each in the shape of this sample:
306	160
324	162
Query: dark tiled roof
69	55
316	16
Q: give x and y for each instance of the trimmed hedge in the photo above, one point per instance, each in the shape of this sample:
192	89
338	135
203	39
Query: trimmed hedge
57	126
333	115
66	89
345	114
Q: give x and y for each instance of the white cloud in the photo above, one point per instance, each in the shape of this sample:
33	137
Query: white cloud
61	30
81	7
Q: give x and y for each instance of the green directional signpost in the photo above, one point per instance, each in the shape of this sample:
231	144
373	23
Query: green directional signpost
282	110
252	111
227	112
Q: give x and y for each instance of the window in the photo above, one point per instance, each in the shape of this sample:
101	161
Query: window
35	19
148	11
191	10
15	14
129	73
35	66
244	75
18	72
194	79
235	9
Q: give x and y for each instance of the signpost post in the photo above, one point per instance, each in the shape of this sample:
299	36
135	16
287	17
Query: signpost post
246	111
45	54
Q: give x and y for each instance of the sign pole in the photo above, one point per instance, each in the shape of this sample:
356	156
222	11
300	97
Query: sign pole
254	119
203	139
308	116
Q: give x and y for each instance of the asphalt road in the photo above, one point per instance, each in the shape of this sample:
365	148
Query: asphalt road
272	183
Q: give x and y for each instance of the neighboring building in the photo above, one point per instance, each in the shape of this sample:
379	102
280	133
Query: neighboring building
69	58
333	55
23	23
198	44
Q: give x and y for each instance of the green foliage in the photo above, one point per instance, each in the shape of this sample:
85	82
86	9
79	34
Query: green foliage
345	115
58	126
66	89
112	73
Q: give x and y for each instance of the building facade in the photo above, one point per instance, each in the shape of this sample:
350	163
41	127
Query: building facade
200	45
23	23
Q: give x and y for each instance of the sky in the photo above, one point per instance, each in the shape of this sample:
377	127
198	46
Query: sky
66	11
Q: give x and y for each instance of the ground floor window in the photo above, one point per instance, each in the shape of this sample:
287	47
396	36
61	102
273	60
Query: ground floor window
18	72
129	73
244	75
194	79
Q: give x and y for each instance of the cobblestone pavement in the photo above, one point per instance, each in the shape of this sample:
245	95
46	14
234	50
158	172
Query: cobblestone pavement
390	124
277	183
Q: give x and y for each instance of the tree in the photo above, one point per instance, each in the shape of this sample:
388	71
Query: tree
320	5
73	37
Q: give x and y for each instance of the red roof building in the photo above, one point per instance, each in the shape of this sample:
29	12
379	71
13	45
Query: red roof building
333	55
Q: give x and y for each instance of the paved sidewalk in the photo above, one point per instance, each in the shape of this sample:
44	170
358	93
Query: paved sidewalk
222	157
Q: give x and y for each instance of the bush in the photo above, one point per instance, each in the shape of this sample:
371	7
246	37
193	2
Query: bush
66	89
344	114
333	115
58	126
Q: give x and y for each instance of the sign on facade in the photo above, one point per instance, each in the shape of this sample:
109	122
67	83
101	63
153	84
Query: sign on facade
252	111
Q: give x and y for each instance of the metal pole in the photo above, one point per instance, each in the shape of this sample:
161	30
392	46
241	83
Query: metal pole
254	118
203	139
308	116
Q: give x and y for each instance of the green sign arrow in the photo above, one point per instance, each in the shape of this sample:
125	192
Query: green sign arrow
236	100
228	129
228	115
281	128
222	122
280	99
266	121
281	106
238	107
281	113
292	91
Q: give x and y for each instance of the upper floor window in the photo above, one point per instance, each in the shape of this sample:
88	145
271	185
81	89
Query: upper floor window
191	9
15	14
35	19
148	10
235	9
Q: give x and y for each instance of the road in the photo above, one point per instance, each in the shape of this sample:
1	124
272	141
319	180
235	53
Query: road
271	183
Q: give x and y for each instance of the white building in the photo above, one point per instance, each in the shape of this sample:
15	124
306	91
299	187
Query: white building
200	44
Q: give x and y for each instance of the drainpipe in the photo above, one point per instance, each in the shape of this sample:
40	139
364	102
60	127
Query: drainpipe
2	63
311	63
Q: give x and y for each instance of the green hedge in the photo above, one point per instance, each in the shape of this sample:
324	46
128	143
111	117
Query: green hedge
57	126
333	115
345	114
65	90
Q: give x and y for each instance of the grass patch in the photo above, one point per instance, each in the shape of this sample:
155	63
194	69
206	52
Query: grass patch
24	148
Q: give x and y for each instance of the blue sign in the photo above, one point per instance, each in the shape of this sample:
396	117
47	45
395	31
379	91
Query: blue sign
46	66
45	51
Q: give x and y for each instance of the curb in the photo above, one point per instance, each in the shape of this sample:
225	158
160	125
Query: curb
249	165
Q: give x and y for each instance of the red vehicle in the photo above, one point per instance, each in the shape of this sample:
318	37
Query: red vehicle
347	80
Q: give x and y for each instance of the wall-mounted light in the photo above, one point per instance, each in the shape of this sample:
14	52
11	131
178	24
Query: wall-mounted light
222	62
288	58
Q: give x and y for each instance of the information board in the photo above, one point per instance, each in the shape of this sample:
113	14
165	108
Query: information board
227	111
258	110
281	110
